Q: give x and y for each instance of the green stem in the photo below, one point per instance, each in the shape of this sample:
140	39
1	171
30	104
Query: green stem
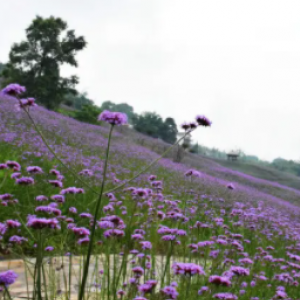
39	261
98	205
7	293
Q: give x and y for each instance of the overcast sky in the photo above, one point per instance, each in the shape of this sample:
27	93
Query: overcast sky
237	62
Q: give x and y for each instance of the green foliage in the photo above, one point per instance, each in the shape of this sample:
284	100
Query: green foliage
122	107
35	63
88	113
2	66
77	101
286	166
153	125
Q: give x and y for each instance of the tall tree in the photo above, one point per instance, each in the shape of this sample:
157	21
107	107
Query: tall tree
36	62
152	124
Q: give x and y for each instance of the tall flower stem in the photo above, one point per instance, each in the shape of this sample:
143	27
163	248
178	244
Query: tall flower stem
98	205
39	262
7	293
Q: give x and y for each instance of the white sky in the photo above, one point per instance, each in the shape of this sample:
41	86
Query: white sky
238	62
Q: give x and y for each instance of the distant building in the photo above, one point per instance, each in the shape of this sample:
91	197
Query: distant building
233	156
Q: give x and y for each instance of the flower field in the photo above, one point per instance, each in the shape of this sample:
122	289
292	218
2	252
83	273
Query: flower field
89	215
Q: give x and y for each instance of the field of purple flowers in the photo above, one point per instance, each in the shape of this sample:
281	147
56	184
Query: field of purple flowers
170	233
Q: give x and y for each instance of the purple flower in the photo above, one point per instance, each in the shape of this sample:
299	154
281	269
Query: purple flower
113	233
86	215
81	231
13	165
41	198
58	198
3	228
73	210
187	269
203	121
49	249
240	271
185	126
8	277
40	223
113	118
12	224
25	181
56	183
17	239
225	296
138	271
14	89
170	291
230	186
3	166
34	170
72	190
6	197
203	290
220	280
146	245
84	240
49	210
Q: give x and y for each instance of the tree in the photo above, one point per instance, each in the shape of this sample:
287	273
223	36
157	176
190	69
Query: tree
152	124
2	66
88	113
78	101
148	123
168	131
35	63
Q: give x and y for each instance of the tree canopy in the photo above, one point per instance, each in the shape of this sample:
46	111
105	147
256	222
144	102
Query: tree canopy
152	124
35	63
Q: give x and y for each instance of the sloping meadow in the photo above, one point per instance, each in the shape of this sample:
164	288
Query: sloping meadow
212	239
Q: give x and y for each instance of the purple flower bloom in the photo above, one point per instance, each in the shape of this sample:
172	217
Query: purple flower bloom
41	198
230	186
13	165
25	181
73	210
17	239
12	224
72	190
56	183
14	89
203	121
8	277
225	296
170	291
84	240
40	223
187	269
240	271
113	233
34	170
113	118
146	245
49	249
81	231
220	280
